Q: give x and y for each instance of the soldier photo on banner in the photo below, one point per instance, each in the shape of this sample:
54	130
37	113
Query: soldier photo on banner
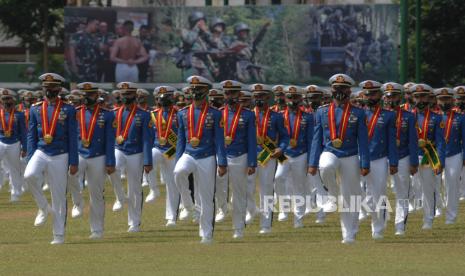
273	44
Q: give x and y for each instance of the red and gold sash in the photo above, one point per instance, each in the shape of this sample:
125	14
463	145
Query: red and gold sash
163	128
7	128
295	132
450	119
230	133
48	131
373	121
262	127
27	113
194	137
123	135
406	106
337	141
86	135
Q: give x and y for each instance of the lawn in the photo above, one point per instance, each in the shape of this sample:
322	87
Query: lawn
315	249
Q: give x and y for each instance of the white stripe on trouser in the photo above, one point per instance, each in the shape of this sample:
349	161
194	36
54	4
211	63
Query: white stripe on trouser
452	176
402	188
134	168
376	188
294	171
10	155
172	193
342	176
462	183
428	182
221	192
251	205
56	168
204	171
237	167
125	72
93	169
266	183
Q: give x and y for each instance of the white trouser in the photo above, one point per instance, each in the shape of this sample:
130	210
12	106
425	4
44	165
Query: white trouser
56	168
417	194
172	193
93	169
134	168
115	179
124	72
438	191
452	172
402	188
266	184
10	155
237	167
376	190
74	185
204	171
427	178
221	192
251	205
342	176
294	170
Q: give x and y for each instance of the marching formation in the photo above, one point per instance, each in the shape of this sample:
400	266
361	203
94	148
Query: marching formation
313	152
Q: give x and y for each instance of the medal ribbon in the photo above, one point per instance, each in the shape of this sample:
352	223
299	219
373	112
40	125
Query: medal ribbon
160	120
450	119
262	127
373	121
87	135
344	121
191	122
398	122
7	128
297	120
46	128
235	121
423	132
119	120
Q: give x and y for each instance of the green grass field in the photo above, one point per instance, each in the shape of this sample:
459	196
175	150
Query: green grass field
315	249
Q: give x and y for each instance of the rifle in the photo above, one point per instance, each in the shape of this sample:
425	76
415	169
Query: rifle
258	38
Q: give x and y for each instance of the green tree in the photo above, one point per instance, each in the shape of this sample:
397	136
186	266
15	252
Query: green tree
34	22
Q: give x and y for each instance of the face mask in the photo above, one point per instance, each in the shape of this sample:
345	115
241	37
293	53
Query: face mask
165	101
141	100
281	101
118	100
392	104
27	104
232	101
292	105
315	105
421	105
128	100
8	105
90	101
198	95
217	103
372	102
260	103
51	94
445	107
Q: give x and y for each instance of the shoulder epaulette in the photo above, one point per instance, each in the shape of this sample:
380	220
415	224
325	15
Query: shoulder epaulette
37	103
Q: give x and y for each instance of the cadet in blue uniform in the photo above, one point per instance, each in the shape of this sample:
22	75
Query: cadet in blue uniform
407	148
96	152
165	126
431	139
200	140
133	150
240	142
383	152
12	141
340	147
51	149
293	172
460	108
454	137
272	141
